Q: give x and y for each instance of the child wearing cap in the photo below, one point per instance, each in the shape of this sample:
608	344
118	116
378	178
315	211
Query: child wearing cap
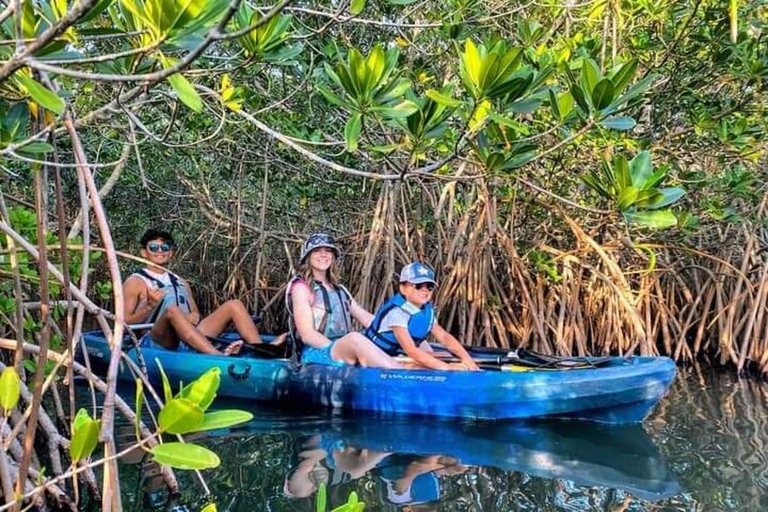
321	311
403	323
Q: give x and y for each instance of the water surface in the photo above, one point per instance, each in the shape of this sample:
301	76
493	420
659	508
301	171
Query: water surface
704	448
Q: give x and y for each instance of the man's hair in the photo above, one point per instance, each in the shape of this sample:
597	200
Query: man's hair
154	234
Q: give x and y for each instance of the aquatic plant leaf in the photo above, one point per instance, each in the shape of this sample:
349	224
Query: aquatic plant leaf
139	406
85	436
185	456
167	393
224	419
180	416
10	389
320	500
203	390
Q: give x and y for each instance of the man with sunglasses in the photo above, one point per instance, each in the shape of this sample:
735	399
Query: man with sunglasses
153	295
403	323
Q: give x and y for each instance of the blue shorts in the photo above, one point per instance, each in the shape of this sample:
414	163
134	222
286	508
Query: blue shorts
146	341
312	355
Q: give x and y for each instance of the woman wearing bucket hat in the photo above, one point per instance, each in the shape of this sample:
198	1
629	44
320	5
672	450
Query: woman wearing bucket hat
321	311
403	323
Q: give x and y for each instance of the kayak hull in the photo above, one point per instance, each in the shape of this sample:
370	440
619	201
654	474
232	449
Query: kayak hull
622	391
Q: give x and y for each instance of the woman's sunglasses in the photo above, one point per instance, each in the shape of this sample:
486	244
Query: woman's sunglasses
159	247
429	286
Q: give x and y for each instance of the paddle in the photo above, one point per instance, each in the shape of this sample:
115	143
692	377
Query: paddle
491	357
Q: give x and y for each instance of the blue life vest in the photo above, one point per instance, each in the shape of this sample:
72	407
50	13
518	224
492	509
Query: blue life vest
419	325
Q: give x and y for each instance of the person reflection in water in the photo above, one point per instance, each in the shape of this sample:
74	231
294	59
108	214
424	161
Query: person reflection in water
411	481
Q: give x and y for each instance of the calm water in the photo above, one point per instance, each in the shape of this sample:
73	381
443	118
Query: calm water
704	448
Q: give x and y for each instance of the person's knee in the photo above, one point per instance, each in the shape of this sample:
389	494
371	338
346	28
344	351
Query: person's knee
235	305
173	312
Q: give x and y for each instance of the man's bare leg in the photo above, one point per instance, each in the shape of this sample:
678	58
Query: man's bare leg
231	311
173	326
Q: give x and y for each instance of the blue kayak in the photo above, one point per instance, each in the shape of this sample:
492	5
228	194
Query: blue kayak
619	390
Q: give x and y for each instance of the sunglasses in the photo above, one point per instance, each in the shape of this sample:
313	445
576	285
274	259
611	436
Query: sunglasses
159	247
429	286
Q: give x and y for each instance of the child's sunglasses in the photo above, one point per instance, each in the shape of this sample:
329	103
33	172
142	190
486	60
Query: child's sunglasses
429	286
159	247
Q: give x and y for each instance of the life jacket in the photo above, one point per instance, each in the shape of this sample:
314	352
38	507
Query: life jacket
324	317
174	293
419	325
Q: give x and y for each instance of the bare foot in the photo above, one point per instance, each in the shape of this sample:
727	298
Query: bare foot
233	348
280	339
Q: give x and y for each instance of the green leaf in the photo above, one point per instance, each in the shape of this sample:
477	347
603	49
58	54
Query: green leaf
321	498
525	106
648	198
627	197
636	90
356	7
352	131
45	97
603	93
35	148
185	456
621	123
139	406
641	169
399	111
224	419
180	416
657	219
554	105
85	436
624	74
10	389
166	383
671	196
565	104
590	74
442	99
621	173
329	96
186	92
581	99
203	390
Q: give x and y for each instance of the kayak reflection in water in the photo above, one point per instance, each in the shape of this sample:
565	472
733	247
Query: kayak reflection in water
402	479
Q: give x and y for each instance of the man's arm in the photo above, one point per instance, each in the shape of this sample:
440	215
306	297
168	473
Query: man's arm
453	346
134	292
